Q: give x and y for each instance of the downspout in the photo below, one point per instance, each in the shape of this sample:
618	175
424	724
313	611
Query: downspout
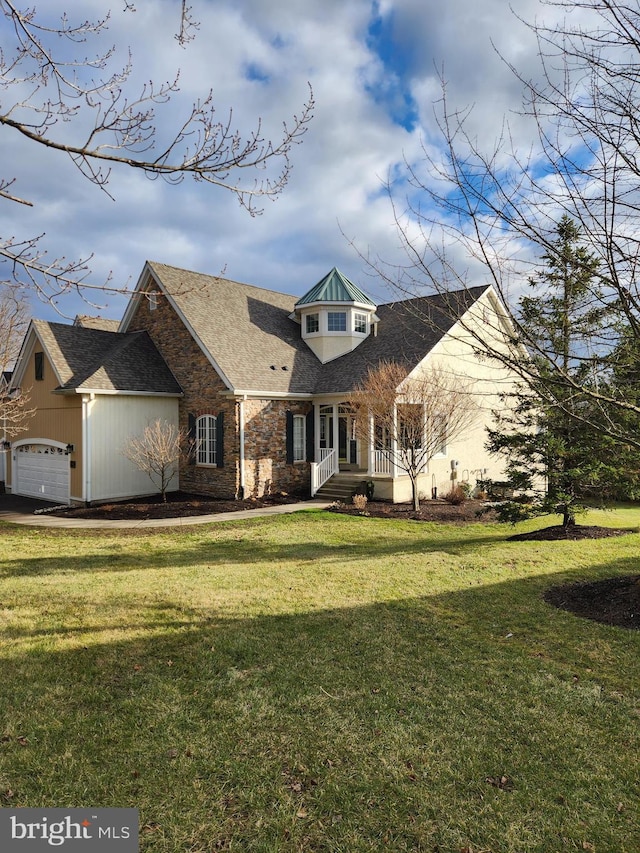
241	403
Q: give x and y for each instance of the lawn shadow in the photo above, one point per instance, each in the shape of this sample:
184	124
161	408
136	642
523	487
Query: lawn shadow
383	714
376	540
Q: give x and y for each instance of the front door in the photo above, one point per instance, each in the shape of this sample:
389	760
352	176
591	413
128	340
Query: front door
347	444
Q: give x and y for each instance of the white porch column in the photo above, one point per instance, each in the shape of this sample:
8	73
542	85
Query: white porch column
316	432
394	442
371	463
336	436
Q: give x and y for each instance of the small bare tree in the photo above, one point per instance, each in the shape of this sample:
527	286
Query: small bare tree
413	417
58	95
14	404
157	452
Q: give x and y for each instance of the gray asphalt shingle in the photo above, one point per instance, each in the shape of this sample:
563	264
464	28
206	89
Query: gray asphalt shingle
92	359
249	333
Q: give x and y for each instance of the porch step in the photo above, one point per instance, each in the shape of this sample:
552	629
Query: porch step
341	487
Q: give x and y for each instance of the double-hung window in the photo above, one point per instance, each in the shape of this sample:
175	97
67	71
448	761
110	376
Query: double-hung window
299	449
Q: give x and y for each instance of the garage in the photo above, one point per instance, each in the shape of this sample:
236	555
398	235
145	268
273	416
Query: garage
41	470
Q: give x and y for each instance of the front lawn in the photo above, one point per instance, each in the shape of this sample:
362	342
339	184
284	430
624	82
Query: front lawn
318	682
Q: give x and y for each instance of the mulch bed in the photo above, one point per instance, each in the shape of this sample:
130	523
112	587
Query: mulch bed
557	533
178	505
614	601
469	511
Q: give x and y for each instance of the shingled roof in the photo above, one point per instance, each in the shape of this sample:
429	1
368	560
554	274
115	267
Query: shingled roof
257	347
245	329
103	323
95	360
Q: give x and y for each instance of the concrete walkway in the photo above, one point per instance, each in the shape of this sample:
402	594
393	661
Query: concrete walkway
21	511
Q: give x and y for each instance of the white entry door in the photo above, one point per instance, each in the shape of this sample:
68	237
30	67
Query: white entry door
41	471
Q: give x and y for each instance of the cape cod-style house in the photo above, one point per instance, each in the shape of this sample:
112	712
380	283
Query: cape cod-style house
260	380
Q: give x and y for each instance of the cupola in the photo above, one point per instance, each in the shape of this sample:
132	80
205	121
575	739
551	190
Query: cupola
335	316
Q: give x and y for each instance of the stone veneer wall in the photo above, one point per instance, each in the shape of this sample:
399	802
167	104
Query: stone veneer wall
266	469
201	386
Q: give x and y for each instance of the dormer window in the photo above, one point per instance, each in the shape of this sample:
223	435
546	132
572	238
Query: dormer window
360	323
337	321
335	316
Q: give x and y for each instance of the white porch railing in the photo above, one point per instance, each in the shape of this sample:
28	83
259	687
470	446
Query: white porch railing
325	468
382	462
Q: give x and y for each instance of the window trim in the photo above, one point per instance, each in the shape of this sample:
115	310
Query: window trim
335	314
300	439
315	316
207	444
360	316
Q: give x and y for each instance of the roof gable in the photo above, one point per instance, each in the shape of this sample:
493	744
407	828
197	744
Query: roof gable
407	332
245	331
94	360
249	336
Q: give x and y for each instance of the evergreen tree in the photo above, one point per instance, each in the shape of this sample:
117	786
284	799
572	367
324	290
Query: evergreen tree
553	454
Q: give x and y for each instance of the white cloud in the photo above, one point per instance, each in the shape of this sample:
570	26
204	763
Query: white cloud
257	58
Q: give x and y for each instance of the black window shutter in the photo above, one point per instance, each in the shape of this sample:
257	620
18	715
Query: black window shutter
191	438
289	438
311	444
220	440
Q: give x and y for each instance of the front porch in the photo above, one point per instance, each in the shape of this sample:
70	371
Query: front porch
348	461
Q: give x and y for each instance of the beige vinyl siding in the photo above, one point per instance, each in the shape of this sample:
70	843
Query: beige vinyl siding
113	420
58	417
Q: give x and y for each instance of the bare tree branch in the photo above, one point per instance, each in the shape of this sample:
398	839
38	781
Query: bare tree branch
15	409
157	452
81	106
499	207
409	419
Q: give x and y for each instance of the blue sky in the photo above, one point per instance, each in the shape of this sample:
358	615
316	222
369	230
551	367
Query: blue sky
374	70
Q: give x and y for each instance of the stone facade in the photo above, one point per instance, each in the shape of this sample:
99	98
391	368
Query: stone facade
266	467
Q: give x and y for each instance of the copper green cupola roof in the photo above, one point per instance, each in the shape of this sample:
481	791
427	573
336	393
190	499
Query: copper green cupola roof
334	287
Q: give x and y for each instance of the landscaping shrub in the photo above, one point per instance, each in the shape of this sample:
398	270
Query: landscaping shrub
455	496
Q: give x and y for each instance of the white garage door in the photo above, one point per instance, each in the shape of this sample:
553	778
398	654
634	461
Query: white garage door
41	471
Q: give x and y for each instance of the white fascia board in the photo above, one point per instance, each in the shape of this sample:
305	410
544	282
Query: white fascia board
114	393
265	395
146	274
363	306
22	361
135	297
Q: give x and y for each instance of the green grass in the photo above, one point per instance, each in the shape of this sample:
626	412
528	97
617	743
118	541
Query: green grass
318	682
